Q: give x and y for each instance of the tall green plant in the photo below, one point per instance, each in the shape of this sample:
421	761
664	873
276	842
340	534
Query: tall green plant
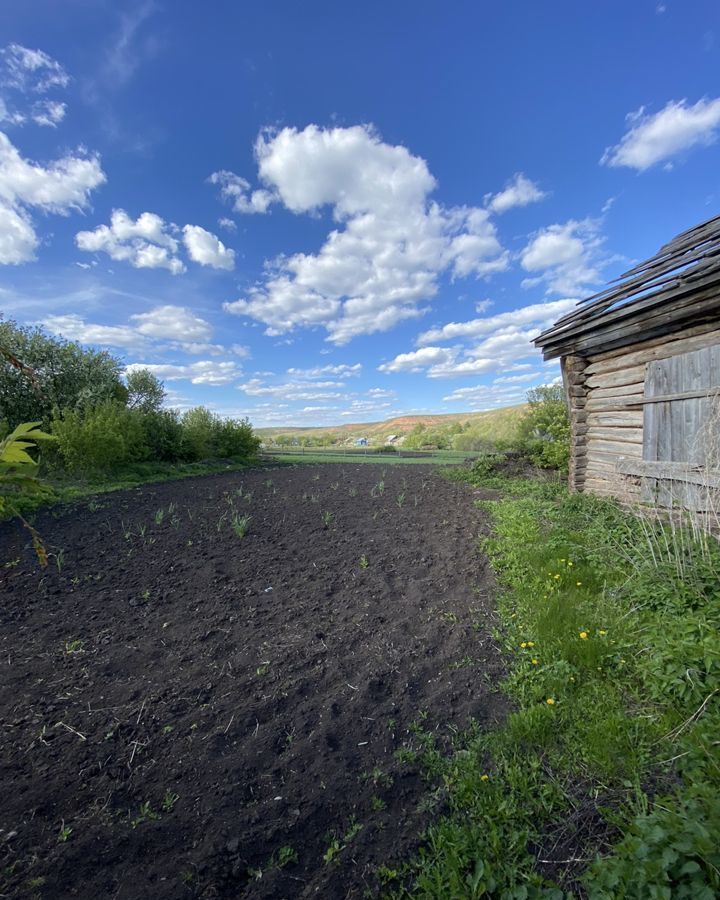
18	475
544	430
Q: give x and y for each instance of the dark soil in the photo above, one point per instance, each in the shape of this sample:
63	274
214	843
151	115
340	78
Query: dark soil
188	702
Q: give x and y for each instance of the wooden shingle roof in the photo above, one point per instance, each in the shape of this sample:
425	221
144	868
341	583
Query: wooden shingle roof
677	287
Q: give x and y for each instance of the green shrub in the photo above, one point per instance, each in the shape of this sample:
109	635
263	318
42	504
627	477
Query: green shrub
198	431
163	435
671	853
100	438
544	431
235	438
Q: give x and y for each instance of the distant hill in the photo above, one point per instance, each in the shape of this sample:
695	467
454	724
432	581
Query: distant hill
498	424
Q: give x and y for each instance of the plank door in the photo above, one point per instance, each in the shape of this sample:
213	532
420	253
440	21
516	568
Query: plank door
681	429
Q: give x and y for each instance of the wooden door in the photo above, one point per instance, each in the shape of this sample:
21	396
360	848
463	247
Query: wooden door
681	430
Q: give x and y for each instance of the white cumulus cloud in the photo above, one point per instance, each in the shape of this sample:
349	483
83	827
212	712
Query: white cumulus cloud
238	192
520	191
677	127
60	187
30	70
145	242
566	257
205	248
380	262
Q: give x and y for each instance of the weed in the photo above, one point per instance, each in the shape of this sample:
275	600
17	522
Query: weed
364	562
353	492
240	525
159	516
169	801
75	646
145	814
59	559
400	500
168	729
378	489
327	518
262	669
377	804
285	856
64	833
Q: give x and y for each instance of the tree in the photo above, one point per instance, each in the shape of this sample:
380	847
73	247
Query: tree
63	374
145	391
544	430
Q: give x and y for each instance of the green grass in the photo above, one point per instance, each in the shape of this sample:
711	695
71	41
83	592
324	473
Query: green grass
435	458
66	489
610	628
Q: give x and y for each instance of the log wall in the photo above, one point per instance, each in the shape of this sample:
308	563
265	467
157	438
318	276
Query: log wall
606	393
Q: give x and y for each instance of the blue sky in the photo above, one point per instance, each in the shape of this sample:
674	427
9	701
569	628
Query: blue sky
320	212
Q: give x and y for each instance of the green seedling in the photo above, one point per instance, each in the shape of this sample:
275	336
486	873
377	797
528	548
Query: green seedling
159	516
75	646
400	499
364	562
240	525
378	804
169	801
328	518
145	814
64	833
286	856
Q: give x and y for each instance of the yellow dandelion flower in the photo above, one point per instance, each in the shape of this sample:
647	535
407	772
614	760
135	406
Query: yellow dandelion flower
583	635
572	678
570	562
484	778
531	643
578	583
523	645
556	577
602	632
550	701
535	662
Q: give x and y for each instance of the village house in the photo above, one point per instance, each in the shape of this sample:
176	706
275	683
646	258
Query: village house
641	367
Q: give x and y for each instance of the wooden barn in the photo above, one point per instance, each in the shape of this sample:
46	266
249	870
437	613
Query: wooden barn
641	368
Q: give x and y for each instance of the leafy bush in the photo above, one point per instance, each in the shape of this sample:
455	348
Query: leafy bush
17	468
671	853
198	430
163	435
544	431
101	438
234	437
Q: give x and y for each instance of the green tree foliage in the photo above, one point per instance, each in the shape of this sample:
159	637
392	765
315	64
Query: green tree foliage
53	373
544	431
101	438
163	435
205	435
198	426
235	438
145	391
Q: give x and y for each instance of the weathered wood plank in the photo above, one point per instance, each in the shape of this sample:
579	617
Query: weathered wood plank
626	418
684	342
620	435
625	376
670	471
616	448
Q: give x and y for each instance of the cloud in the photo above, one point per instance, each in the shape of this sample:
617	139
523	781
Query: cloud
30	71
520	191
205	248
237	191
26	73
205	371
149	242
485	346
342	370
294	391
566	256
417	360
675	129
75	328
380	263
146	243
60	187
540	314
227	224
126	52
174	327
177	323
